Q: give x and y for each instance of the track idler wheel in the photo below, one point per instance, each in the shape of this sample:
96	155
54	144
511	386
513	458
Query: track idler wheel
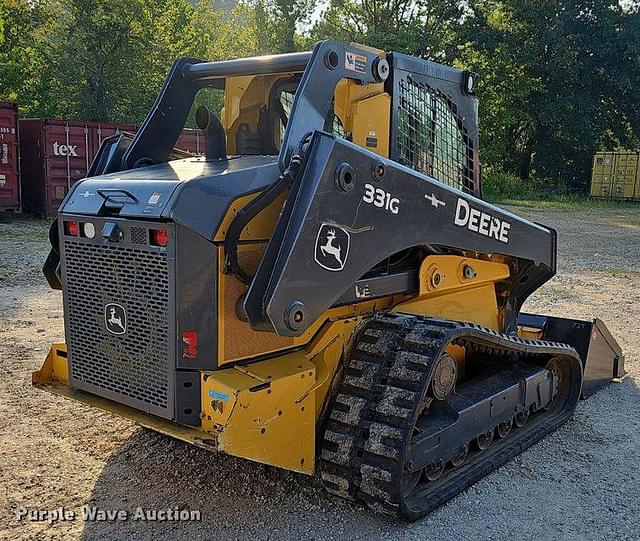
521	418
483	441
505	428
459	459
433	471
445	375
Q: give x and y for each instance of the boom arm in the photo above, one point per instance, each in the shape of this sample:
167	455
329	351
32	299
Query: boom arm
332	232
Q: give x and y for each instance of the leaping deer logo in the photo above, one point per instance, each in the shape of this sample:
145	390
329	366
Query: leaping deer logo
115	318
329	248
332	247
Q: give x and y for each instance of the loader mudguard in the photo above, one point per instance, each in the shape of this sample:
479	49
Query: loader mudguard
350	209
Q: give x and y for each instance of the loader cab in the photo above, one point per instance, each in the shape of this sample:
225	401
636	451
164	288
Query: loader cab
255	111
415	112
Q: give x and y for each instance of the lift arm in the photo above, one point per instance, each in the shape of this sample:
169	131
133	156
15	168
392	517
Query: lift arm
349	209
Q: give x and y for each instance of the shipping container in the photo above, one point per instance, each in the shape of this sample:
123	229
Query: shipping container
191	141
615	175
55	154
9	158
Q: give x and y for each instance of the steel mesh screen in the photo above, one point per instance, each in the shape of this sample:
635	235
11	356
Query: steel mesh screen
431	137
136	365
332	124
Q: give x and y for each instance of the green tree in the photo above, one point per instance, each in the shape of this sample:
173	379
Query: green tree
25	27
556	83
425	28
278	22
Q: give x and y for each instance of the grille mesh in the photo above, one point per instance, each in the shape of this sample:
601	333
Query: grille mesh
133	365
139	235
431	136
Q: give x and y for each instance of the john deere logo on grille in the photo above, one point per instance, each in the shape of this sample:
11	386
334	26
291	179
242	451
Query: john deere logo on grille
332	247
115	318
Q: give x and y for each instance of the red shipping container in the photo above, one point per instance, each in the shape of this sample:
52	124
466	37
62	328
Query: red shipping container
55	154
9	162
192	141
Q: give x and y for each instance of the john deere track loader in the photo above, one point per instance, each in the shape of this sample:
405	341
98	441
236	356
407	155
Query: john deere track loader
323	290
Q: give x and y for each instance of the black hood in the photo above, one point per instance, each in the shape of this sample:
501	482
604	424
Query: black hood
193	192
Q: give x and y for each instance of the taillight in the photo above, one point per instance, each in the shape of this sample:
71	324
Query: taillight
159	237
71	228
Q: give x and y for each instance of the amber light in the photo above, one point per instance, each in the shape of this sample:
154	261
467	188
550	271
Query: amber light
159	237
71	228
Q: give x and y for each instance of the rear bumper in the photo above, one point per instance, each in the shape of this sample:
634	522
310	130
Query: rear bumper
53	377
602	358
265	412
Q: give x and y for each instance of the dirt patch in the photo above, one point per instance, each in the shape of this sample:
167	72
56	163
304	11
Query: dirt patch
581	482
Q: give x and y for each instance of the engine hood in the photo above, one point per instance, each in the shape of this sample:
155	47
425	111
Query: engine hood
193	192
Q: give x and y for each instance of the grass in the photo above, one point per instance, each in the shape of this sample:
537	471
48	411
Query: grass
23	227
23	217
566	202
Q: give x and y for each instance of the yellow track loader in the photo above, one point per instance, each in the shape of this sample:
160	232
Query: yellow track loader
324	290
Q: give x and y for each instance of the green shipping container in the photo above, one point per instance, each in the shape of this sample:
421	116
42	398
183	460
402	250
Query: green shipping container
616	175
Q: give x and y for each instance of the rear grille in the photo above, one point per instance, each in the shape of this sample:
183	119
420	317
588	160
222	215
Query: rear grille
131	368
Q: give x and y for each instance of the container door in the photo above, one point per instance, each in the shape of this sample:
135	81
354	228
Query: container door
67	160
623	175
603	164
9	180
630	175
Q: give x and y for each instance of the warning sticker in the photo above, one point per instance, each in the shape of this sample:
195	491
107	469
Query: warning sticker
355	62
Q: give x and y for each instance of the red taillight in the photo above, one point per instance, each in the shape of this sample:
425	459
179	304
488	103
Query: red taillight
159	237
190	339
71	228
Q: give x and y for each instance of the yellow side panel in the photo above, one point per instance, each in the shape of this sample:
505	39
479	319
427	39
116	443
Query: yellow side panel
55	368
458	288
263	411
261	227
370	127
476	305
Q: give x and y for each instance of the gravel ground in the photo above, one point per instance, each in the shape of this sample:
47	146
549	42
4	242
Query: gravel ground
581	482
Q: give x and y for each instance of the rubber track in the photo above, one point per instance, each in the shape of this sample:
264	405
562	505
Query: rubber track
379	399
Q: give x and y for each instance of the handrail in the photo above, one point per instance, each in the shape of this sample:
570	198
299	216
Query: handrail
255	65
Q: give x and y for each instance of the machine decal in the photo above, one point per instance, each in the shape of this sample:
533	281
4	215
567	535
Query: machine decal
435	202
355	62
381	199
115	318
481	222
86	194
218	395
332	247
363	292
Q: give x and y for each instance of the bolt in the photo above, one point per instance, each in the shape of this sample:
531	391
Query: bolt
436	279
469	272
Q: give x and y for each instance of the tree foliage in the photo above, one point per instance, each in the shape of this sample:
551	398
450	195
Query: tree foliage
558	81
426	28
558	78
